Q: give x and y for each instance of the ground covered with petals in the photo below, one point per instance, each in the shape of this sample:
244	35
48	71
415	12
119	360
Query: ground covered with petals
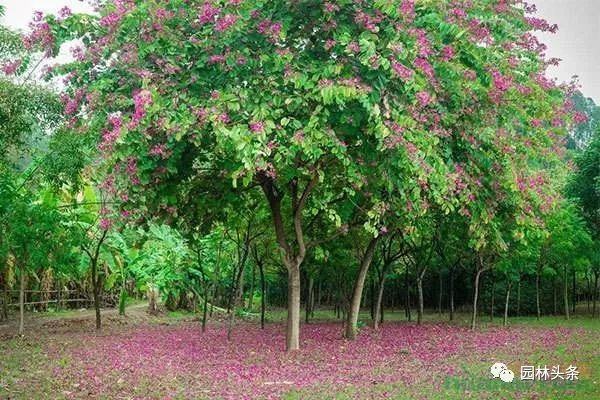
401	360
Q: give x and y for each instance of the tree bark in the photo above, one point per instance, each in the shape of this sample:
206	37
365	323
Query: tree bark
595	294
262	295
574	292
537	294
519	296
493	298
5	299
420	294
293	318
554	295
440	288
22	303
351	325
251	294
204	310
407	296
309	296
505	320
451	278
566	292
475	297
96	294
378	314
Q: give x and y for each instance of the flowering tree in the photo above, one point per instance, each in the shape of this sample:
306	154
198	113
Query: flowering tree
440	103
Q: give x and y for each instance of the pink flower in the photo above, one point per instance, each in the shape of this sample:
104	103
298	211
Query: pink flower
447	53
65	12
105	224
225	22
11	68
424	98
207	13
580	117
257	127
425	67
353	47
402	71
216	59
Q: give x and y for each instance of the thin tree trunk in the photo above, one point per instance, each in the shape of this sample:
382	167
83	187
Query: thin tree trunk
493	298
451	277
475	297
5	297
519	296
262	295
293	318
441	285
420	294
588	281
251	294
574	292
96	294
537	294
566	292
505	320
595	294
554	296
205	308
378	314
407	297
309	296
351	325
22	303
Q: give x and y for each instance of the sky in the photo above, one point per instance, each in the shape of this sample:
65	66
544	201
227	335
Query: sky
577	42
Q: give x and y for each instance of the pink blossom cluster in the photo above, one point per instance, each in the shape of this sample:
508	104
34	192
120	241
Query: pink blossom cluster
407	9
208	13
369	22
402	71
270	29
109	137
11	67
225	22
541	24
141	100
425	67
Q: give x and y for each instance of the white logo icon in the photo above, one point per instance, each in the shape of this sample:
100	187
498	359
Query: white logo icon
500	370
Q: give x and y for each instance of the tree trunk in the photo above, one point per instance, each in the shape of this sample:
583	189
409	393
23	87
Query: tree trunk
566	292
574	292
205	309
420	294
262	295
554	296
537	295
493	298
309	295
451	277
505	320
293	317
407	296
378	314
595	294
519	296
351	325
96	294
251	294
22	303
440	286
475	297
5	297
